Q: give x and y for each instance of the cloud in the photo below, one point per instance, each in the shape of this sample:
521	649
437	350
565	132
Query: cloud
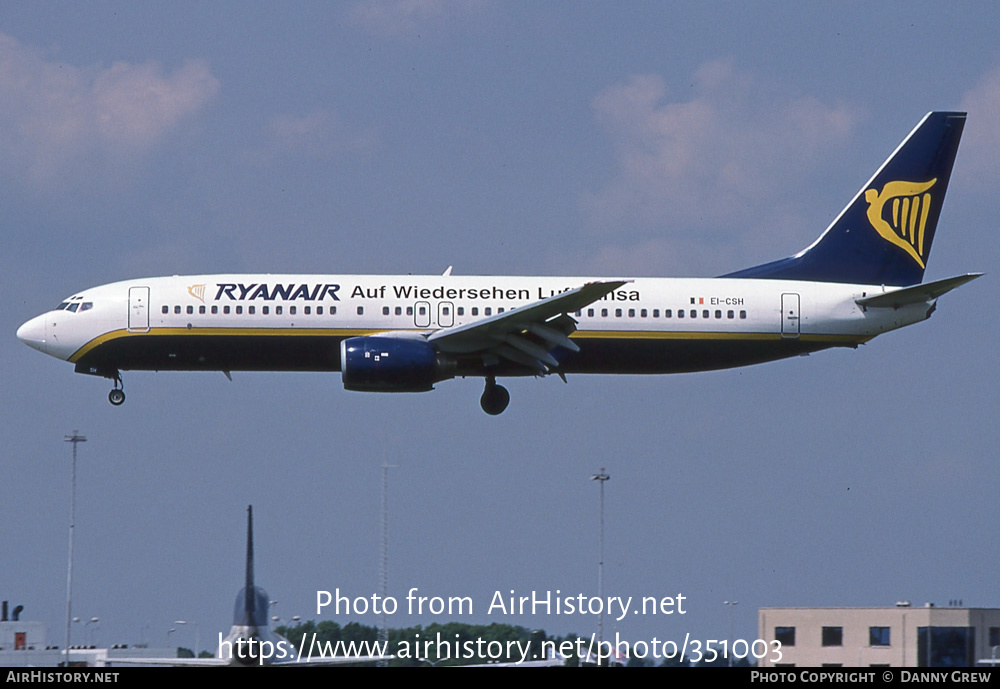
725	159
319	134
980	148
412	18
57	119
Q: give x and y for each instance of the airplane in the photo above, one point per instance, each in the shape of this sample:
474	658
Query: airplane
250	642
862	277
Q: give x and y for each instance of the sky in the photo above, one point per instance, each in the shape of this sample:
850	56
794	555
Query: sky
558	138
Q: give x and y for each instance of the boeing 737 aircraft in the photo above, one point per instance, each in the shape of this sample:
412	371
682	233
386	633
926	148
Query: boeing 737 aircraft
250	642
862	277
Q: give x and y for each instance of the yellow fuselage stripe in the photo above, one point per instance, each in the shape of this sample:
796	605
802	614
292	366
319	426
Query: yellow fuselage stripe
361	332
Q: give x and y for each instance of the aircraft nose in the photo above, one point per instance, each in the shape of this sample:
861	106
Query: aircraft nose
32	333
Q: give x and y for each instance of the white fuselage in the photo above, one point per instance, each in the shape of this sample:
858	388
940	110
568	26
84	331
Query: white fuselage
649	325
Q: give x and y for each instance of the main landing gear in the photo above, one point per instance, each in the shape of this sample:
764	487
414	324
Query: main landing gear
495	397
117	396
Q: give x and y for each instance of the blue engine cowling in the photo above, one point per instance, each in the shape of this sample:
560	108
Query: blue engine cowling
388	364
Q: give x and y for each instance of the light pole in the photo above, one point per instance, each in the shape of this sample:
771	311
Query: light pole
601	478
731	604
197	635
76	439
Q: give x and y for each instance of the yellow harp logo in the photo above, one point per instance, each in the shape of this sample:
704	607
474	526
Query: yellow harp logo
198	292
901	222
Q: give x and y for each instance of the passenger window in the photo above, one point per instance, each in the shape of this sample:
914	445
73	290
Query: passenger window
166	309
618	313
461	310
743	314
225	309
385	310
215	309
277	310
399	311
730	314
177	309
239	309
319	310
333	310
642	313
409	310
291	310
251	310
704	314
680	313
631	313
361	310
590	312
604	313
656	313
307	310
264	310
488	311
475	310
718	313
201	309
190	309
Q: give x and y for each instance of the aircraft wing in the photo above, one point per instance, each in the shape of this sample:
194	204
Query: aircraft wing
527	334
223	662
169	662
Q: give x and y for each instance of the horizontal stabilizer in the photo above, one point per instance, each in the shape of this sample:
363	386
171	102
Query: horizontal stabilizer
917	294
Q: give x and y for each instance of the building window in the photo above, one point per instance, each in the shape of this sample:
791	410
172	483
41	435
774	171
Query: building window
785	635
833	636
878	636
994	636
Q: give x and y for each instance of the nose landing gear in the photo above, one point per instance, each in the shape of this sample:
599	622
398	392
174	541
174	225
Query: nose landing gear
495	397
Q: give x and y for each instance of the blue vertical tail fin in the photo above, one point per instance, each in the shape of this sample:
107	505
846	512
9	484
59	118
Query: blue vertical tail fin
884	235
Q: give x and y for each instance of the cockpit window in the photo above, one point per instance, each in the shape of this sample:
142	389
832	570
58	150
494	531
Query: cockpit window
62	306
73	307
86	306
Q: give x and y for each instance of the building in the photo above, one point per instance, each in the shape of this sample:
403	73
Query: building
23	644
900	636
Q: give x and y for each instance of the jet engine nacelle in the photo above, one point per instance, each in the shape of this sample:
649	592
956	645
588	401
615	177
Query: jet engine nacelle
389	364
